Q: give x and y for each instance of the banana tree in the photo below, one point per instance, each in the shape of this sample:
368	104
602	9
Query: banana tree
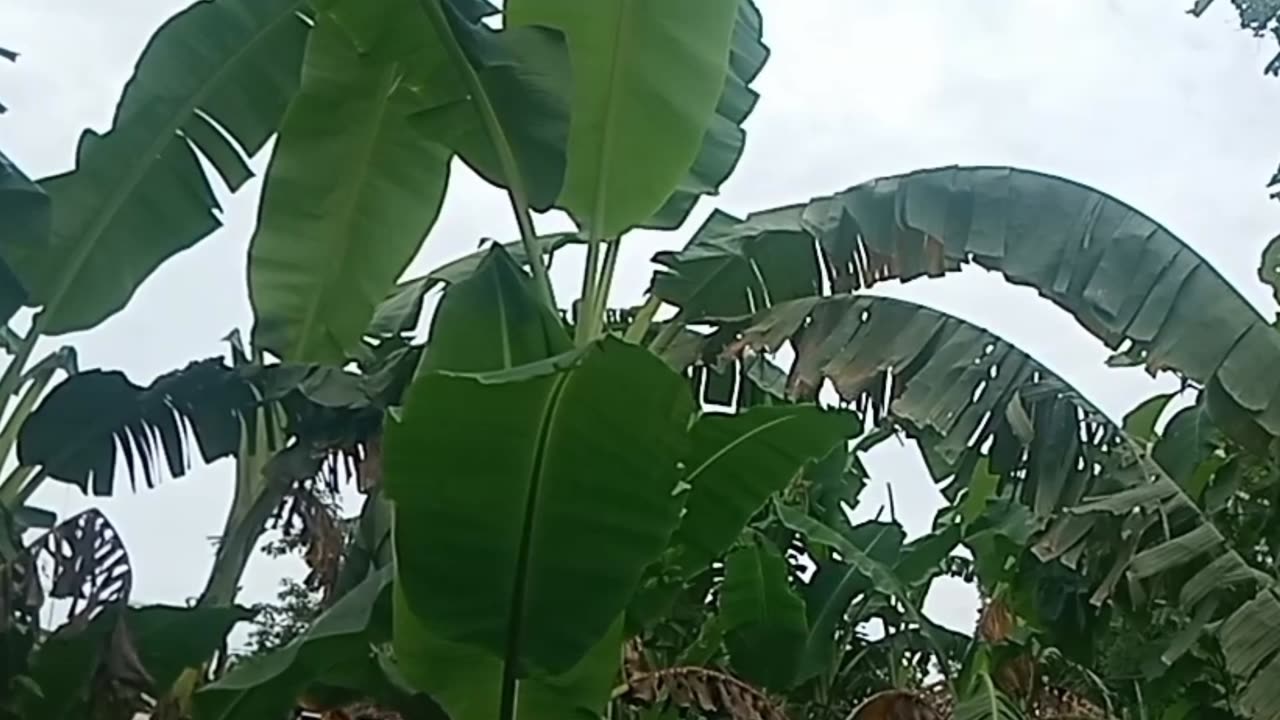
553	488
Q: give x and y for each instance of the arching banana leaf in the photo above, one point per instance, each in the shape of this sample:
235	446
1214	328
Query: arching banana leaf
1124	277
1106	507
213	82
959	389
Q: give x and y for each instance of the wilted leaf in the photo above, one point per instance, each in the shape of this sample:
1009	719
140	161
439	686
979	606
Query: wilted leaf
79	429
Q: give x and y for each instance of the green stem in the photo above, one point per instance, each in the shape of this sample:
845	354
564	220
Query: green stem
605	282
30	487
11	490
668	333
9	435
502	148
12	377
256	496
644	319
590	272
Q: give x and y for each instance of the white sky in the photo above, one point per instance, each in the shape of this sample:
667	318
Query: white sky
1134	97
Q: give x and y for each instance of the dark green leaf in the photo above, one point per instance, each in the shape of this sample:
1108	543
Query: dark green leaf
834	586
1140	423
172	639
335	645
25	220
86	422
524	73
400	311
215	78
466	680
724	140
535	485
492	320
646	81
738	461
883	577
764	618
350	195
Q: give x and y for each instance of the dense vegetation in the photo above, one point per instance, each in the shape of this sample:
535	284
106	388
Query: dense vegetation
575	510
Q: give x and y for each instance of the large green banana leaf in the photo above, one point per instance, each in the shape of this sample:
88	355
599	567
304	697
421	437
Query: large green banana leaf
25	221
550	502
489	319
1125	278
725	138
214	80
351	192
647	77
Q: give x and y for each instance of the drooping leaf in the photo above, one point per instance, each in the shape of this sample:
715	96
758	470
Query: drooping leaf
646	81
1125	278
91	418
350	195
563	487
466	680
764	618
170	639
214	79
524	75
84	669
738	461
25	220
948	383
724	140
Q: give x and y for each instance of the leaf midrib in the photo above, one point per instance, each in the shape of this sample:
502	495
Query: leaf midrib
341	239
132	179
515	614
604	155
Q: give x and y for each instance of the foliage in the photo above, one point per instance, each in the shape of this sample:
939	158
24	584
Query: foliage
600	512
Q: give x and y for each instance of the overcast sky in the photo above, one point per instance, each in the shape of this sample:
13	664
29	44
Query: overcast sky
1134	97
